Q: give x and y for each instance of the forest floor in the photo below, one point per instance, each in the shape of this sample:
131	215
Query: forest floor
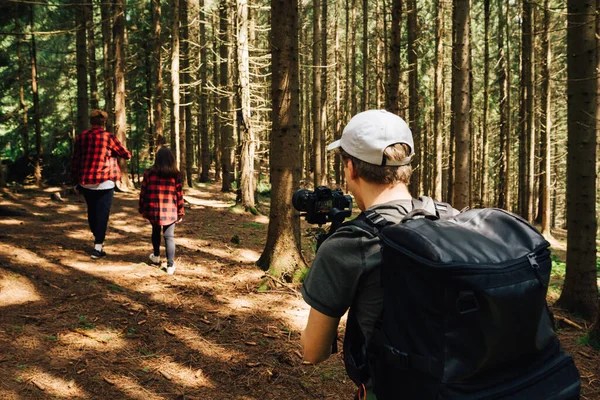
120	328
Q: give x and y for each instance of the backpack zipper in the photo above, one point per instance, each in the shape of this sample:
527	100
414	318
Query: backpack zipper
536	268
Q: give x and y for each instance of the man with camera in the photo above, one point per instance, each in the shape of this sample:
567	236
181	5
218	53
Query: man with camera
376	148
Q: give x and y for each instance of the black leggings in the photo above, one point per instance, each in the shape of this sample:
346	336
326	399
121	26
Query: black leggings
98	203
169	234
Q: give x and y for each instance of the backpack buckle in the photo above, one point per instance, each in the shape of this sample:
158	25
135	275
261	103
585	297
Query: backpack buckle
466	302
398	358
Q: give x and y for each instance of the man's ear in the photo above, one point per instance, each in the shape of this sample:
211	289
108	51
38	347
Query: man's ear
351	170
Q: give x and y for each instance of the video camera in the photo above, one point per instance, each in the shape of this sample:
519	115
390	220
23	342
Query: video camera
323	205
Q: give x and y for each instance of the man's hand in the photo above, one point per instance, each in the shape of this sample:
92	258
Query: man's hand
318	336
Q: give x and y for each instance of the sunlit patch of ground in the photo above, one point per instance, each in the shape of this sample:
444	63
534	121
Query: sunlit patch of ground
177	373
205	347
16	289
10	221
23	256
53	386
131	388
101	340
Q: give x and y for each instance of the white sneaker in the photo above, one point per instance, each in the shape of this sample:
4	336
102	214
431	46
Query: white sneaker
171	270
154	259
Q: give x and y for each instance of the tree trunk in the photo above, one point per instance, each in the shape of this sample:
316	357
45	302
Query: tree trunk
319	168
461	106
158	130
36	103
120	110
392	103
226	103
247	183
108	62
503	88
337	132
486	86
21	80
175	95
82	72
91	48
365	55
580	291
186	139
204	141
282	256
438	101
216	97
323	102
413	95
546	124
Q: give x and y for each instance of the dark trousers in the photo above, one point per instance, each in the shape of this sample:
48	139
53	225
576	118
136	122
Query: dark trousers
98	203
169	234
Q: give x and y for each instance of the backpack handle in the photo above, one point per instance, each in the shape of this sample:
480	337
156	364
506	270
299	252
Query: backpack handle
418	214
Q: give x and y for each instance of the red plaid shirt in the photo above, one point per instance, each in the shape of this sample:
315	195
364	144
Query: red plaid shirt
95	157
161	199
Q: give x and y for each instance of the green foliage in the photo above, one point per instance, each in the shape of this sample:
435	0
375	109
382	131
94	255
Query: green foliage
51	338
558	267
115	288
85	324
264	189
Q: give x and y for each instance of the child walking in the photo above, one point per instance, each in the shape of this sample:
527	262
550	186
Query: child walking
161	203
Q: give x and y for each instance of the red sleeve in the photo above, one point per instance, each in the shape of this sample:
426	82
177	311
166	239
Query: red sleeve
117	148
179	189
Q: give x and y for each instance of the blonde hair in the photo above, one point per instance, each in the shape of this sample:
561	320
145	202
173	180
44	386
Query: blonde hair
383	174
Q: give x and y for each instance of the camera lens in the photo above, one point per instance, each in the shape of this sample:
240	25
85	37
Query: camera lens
299	199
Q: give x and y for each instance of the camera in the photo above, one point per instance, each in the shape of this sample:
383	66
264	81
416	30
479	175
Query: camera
323	205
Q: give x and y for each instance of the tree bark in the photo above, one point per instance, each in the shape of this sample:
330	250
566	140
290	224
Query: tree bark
580	291
545	134
21	80
204	140
175	90
120	108
461	105
319	168
413	95
91	48
282	256
226	100
157	72
392	103
247	184
186	139
503	88
486	86
82	72
438	100
36	103
108	62
365	55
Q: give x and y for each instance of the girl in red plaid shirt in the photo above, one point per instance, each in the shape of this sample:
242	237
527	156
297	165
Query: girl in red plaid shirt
161	203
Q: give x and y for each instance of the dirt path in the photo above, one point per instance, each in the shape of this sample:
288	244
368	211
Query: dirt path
118	328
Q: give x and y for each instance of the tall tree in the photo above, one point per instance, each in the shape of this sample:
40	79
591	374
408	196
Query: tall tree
438	100
120	110
393	83
580	291
108	62
204	141
91	48
546	117
248	143
461	104
486	86
226	98
413	95
82	72
157	98
323	102
318	168
21	80
526	130
365	55
175	90
186	146
36	102
282	256
503	93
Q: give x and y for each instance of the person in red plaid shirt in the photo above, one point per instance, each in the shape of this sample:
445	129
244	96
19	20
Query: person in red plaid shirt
161	203
95	169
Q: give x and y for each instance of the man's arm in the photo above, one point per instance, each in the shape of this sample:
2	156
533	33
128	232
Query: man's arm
117	148
318	336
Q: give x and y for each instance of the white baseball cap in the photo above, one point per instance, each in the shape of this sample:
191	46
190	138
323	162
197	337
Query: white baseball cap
369	133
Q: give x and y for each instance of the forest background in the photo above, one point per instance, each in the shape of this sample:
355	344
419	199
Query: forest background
501	97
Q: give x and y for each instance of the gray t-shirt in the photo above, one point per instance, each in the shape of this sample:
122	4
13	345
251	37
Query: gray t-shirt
345	272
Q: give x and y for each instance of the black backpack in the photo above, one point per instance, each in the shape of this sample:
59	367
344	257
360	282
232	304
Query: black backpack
464	310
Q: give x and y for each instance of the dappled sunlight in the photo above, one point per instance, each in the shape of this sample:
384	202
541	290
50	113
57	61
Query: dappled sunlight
16	289
248	255
208	202
101	340
125	225
22	256
79	234
70	209
132	388
262	219
204	346
52	386
177	373
10	221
